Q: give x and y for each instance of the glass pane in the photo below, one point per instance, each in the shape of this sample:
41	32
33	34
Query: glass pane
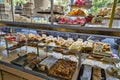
5	10
23	10
116	22
88	13
42	11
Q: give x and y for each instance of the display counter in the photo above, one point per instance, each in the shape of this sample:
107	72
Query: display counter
85	55
13	72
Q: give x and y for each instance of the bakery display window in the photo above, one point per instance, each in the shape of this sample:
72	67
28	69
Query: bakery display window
54	39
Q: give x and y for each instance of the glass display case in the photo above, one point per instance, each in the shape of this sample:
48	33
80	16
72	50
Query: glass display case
48	49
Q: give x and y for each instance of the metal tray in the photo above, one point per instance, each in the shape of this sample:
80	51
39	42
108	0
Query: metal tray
103	75
22	60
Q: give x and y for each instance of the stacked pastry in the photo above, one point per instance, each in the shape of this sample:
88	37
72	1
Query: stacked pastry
77	45
88	46
67	42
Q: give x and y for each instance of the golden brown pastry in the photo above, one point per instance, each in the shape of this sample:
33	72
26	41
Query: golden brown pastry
96	74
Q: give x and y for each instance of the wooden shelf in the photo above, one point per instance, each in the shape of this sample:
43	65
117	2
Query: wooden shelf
40	12
96	24
75	16
81	6
115	18
64	28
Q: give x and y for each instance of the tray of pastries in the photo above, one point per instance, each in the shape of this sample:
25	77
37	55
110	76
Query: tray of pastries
63	69
102	49
25	59
91	73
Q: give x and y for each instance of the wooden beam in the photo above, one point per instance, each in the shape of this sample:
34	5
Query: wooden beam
113	12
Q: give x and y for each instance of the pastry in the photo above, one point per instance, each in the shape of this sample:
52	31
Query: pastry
68	42
76	45
31	37
77	12
34	63
79	2
102	47
31	56
89	46
58	49
63	69
96	74
98	47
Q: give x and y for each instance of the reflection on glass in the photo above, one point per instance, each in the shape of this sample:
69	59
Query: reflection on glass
32	11
5	10
23	10
42	11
